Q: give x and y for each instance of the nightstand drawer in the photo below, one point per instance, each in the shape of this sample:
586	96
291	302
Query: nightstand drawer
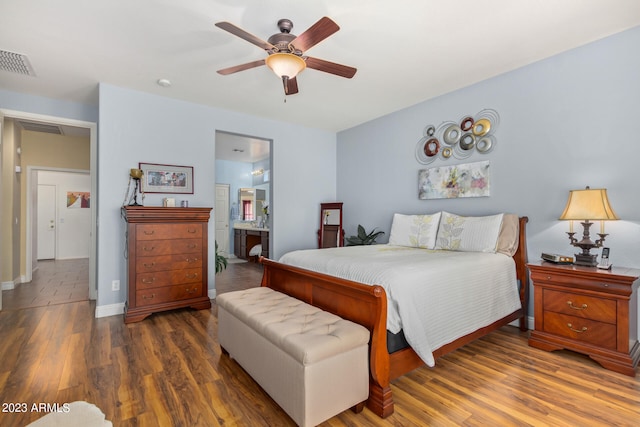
583	306
562	278
597	333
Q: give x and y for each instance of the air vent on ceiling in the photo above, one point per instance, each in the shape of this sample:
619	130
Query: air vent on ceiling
15	63
41	127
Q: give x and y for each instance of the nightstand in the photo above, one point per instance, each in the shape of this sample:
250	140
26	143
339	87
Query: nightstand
587	310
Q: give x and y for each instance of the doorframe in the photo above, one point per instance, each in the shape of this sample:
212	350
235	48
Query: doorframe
93	172
227	222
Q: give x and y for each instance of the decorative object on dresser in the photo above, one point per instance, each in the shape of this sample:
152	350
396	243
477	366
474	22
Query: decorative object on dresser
587	205
132	198
587	310
330	233
166	259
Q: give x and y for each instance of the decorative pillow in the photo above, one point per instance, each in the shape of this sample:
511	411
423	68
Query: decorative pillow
416	231
469	233
508	238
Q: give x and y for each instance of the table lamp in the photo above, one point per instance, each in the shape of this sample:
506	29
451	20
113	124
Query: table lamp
588	205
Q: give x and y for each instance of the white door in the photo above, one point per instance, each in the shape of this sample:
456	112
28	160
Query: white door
46	220
221	215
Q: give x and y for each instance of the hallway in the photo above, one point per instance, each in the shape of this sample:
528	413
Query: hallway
54	282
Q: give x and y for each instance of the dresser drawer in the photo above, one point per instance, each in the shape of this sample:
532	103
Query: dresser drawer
168	231
147	248
168	262
583	306
168	278
589	331
168	294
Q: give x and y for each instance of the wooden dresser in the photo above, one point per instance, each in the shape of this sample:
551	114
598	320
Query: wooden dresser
166	259
587	310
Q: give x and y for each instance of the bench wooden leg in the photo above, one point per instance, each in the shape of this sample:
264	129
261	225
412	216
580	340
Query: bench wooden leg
359	407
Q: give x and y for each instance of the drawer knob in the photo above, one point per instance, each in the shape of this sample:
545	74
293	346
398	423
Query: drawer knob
150	265
192	276
152	296
584	328
149	249
582	307
192	260
149	281
192	231
149	233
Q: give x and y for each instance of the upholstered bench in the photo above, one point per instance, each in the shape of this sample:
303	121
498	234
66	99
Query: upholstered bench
312	363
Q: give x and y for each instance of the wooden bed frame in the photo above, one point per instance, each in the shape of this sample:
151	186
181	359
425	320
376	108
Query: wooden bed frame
367	305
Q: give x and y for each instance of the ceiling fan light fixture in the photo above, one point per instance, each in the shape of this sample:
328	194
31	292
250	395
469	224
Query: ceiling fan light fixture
285	64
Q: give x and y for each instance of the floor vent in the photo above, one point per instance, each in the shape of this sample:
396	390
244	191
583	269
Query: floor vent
15	63
41	127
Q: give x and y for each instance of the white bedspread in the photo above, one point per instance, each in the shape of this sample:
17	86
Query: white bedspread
434	296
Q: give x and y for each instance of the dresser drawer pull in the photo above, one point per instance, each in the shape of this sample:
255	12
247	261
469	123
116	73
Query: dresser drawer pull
149	233
192	246
190	291
149	281
152	296
192	260
582	307
153	264
192	276
149	249
584	328
192	231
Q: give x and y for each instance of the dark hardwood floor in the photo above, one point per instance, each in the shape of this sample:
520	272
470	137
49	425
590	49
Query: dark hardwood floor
168	371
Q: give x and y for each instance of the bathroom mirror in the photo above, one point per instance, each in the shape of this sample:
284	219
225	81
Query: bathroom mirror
330	234
250	203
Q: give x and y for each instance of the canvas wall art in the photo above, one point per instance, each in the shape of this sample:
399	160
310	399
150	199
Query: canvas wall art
448	182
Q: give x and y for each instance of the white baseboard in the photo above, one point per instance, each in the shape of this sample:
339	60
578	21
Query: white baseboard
110	310
530	323
212	293
7	286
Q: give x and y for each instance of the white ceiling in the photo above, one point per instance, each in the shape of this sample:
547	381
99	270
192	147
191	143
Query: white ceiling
406	51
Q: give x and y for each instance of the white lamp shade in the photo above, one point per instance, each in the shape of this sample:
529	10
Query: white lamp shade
285	64
588	204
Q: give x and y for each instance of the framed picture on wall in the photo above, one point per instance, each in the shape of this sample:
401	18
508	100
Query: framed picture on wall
158	178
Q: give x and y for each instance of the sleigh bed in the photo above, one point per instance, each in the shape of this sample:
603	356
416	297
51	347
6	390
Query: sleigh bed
332	288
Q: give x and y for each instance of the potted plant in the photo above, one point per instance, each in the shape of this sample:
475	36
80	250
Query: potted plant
363	238
221	261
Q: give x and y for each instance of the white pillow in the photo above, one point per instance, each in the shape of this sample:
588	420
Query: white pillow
416	231
469	233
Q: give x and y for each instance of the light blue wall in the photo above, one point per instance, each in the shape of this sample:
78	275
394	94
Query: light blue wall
46	106
565	122
139	127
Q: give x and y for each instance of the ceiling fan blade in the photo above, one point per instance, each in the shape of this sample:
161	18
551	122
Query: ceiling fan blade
330	67
236	31
241	67
315	34
290	85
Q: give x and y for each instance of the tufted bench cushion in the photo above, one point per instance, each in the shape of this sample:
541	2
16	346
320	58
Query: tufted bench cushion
314	364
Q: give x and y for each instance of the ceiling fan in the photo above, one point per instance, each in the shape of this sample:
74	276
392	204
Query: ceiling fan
286	52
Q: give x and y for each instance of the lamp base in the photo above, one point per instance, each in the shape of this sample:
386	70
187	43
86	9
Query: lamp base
586	260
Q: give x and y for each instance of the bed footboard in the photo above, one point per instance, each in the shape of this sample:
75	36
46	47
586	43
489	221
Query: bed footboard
362	304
